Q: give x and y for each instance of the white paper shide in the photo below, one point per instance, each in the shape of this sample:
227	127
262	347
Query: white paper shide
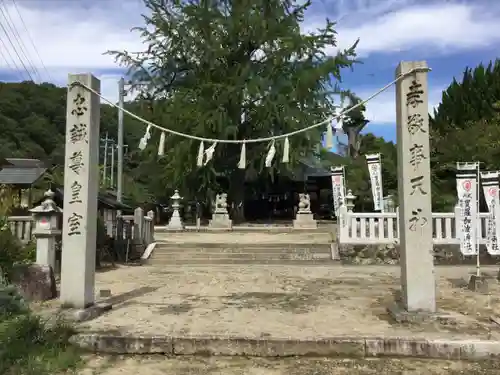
338	188
467	202
489	181
375	171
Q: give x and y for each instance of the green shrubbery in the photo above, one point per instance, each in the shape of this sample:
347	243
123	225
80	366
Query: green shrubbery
28	344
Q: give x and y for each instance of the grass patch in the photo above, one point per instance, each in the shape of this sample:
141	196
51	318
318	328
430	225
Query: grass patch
30	345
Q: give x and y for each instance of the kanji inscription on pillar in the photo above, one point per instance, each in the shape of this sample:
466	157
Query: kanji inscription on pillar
414	188
81	182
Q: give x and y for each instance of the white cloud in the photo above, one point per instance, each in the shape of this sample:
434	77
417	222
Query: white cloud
72	36
382	109
441	27
78	37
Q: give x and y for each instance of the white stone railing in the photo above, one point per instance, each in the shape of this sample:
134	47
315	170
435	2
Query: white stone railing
374	228
137	227
21	227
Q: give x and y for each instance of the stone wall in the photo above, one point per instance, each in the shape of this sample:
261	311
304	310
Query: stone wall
389	254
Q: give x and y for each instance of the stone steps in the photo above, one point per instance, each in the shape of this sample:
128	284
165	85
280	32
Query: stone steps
229	262
234	247
233	253
325	227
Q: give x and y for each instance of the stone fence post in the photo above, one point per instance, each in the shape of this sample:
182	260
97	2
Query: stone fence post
139	225
151	229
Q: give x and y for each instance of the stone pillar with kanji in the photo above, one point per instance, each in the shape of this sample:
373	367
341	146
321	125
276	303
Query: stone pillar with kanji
418	282
81	184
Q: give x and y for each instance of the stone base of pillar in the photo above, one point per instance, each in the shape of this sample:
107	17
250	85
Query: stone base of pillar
305	220
35	282
175	222
220	221
86	314
478	284
398	312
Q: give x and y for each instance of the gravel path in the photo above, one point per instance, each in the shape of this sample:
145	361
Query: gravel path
283	301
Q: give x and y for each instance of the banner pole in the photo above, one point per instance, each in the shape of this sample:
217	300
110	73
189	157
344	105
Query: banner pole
478	222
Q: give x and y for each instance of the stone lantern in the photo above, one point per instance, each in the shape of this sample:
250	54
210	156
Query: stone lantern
349	200
46	217
175	222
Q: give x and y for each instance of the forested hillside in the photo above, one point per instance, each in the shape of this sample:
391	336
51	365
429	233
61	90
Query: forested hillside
32	120
32	124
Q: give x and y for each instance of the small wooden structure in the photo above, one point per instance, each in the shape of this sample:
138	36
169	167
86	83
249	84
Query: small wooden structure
21	175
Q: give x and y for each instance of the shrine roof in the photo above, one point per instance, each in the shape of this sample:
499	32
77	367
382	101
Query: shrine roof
309	167
104	199
14	171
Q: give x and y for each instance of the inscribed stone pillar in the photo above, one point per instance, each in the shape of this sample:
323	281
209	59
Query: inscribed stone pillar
81	183
414	189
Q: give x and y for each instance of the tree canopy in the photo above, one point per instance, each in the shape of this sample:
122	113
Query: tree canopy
242	70
234	70
465	128
472	99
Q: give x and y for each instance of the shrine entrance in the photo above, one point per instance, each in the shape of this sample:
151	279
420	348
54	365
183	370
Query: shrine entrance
276	200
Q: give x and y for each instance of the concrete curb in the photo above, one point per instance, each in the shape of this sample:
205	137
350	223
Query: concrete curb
353	347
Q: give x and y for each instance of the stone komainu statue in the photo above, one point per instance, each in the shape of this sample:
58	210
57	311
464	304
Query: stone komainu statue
221	202
304	202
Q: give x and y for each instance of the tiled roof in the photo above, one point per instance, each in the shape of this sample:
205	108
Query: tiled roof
21	171
105	200
308	167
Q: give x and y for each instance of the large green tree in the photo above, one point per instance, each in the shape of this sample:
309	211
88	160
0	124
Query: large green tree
465	128
470	99
239	69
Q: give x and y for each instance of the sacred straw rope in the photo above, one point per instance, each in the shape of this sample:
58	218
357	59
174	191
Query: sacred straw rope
255	140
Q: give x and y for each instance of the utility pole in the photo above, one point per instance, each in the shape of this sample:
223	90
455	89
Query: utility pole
112	180
119	175
105	160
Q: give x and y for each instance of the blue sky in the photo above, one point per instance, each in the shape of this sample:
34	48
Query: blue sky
71	36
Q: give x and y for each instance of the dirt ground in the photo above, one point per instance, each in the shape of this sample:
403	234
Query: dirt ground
284	302
157	365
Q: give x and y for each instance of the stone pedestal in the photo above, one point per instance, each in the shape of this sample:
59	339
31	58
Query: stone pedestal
175	222
305	220
35	282
220	220
478	284
46	250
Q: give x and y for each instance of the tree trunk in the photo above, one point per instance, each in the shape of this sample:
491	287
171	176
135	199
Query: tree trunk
237	196
354	143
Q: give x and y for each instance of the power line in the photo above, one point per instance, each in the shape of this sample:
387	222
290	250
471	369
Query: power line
19	40
31	40
5	60
15	51
16	69
17	37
